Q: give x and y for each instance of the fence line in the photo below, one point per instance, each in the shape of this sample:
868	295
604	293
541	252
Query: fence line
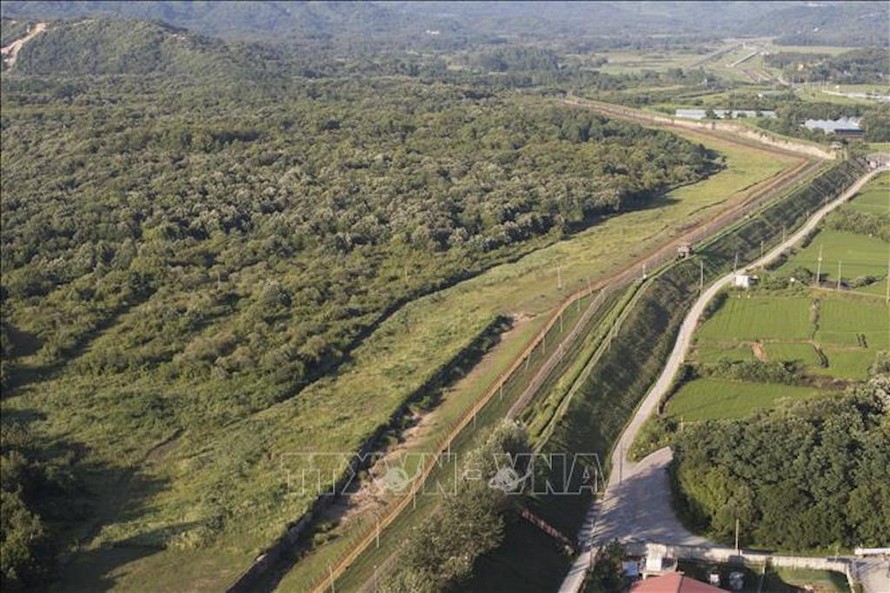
763	193
751	199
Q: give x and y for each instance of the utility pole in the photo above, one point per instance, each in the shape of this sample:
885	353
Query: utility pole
819	267
559	277
736	536
735	266
331	577
784	230
838	274
887	298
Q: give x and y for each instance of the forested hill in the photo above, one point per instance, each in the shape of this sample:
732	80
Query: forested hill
99	47
857	24
565	23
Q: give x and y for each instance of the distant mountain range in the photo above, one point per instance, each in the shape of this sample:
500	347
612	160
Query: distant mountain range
823	23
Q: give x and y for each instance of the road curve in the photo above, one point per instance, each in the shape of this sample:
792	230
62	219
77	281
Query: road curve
622	467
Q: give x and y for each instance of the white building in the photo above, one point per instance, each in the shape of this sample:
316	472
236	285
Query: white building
743	281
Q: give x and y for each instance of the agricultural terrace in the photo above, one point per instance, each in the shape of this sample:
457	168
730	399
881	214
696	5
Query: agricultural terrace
712	399
857	255
823	333
875	198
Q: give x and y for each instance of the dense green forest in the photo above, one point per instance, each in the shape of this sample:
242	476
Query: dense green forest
807	475
262	224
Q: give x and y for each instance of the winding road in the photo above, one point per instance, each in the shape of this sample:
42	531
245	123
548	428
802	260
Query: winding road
636	504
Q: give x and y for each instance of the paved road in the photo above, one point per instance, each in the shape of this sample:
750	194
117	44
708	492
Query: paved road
639	507
873	573
636	504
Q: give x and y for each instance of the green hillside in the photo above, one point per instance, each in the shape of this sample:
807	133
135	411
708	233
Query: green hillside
102	47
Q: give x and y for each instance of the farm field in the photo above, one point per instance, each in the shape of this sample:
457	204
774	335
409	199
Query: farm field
711	399
876	289
846	363
847	321
622	62
713	352
876	197
851	330
815	94
751	318
858	256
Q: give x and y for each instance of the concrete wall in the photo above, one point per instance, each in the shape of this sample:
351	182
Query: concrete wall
729	555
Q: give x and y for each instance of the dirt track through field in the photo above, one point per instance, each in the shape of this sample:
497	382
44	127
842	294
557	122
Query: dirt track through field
10	53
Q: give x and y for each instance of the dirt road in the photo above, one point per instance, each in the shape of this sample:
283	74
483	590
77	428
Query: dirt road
10	53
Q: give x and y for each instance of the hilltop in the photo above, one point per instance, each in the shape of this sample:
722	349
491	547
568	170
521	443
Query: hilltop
112	47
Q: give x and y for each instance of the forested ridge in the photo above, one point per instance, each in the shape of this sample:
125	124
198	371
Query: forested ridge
567	24
261	226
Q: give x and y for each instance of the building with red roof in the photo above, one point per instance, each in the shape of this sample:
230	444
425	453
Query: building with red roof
673	582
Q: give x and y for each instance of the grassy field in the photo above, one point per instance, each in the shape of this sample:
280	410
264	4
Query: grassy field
714	352
844	321
815	94
875	198
876	289
751	318
846	363
709	399
850	330
858	256
622	62
801	353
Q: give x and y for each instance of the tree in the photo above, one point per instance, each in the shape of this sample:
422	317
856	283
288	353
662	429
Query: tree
607	574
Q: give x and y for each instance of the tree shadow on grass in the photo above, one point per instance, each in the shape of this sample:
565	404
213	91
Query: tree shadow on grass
77	496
